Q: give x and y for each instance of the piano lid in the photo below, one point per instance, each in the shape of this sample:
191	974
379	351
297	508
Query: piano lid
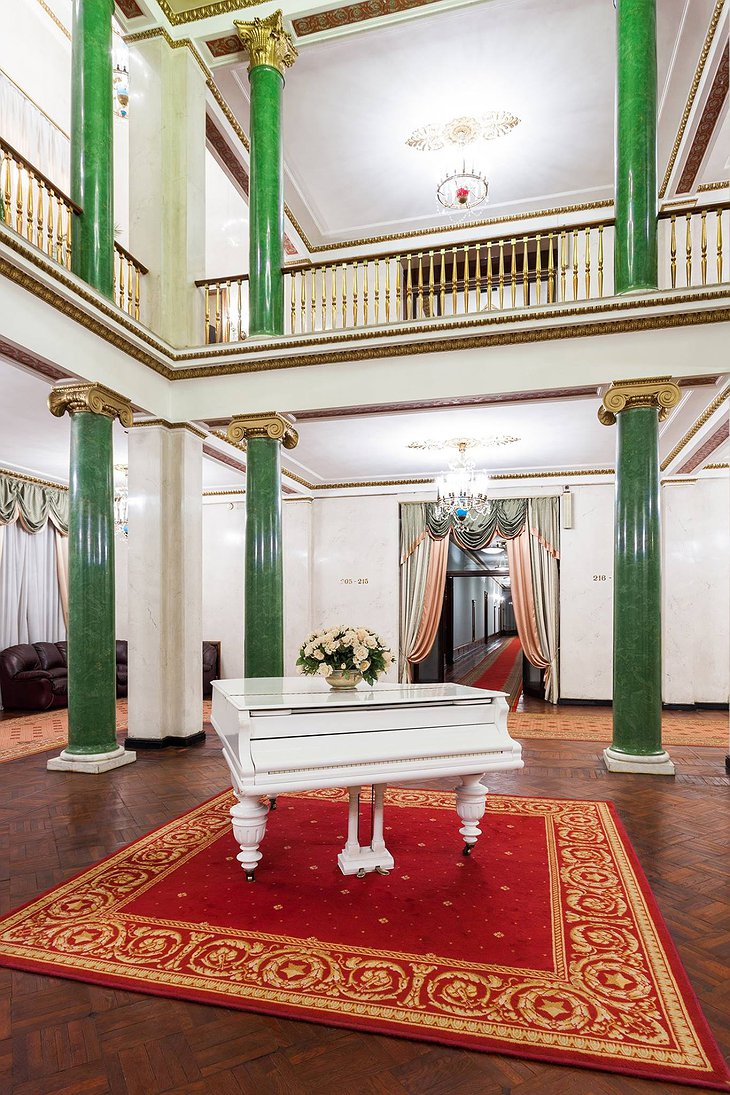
313	692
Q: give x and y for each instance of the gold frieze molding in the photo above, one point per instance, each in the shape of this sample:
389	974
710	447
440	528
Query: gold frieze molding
171	426
204	11
696	427
657	391
96	398
32	479
277	427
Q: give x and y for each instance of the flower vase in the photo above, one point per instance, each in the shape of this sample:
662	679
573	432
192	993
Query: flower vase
342	679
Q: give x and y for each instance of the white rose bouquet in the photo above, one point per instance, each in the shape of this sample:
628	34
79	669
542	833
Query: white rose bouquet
345	648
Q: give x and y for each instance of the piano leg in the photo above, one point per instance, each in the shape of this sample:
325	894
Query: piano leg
356	859
249	816
471	802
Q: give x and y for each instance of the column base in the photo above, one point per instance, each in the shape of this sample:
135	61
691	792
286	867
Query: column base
93	763
163	743
656	764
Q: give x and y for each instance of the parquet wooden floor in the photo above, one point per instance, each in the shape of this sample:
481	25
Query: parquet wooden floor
67	1038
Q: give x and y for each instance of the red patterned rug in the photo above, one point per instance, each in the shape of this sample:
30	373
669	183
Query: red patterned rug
500	671
546	943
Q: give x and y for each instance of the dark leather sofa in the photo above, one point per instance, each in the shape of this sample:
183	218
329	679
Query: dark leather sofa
34	676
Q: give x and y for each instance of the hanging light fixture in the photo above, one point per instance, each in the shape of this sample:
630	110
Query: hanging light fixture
121	501
462	191
462	490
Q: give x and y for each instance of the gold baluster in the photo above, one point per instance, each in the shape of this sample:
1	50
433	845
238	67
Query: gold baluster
489	276
478	278
442	282
538	270
344	294
29	209
551	271
19	199
59	231
500	277
431	283
419	307
354	294
324	298
239	307
513	272
719	246
39	214
69	233
207	315
409	291
292	279
136	292
227	313
454	281
376	299
563	263
130	288
49	224
333	297
600	260
688	249
302	302
398	280
588	262
365	292
575	264
673	251
387	290
703	248
312	298
120	281
525	268
218	303
466	279
7	189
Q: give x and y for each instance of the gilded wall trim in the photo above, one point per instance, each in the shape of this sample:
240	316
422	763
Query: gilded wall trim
715	19
694	429
32	479
716	467
171	426
723	185
204	11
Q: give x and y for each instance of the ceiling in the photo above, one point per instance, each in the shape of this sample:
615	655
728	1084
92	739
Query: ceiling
552	435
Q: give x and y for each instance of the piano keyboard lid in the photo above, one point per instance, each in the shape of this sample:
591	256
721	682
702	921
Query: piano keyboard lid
305	693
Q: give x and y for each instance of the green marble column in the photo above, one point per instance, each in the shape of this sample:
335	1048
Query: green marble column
270	50
92	166
264	604
635	252
92	744
637	620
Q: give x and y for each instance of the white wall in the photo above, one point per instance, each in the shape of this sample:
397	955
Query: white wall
356	564
467	590
297	542
224	523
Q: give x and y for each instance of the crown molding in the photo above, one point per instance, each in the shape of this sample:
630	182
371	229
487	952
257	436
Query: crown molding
696	427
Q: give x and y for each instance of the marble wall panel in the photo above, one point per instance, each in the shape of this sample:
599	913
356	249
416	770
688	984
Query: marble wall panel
297	544
224	523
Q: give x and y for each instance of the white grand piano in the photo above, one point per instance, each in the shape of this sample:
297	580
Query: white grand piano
296	734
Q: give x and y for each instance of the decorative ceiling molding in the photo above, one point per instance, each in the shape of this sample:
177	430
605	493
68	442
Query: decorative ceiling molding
704	417
724	184
454	402
335	18
707	448
204	11
32	362
715	19
463	131
52	15
462	443
130	9
224	47
710	115
33	479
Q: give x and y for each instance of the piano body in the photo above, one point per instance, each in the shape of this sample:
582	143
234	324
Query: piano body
295	734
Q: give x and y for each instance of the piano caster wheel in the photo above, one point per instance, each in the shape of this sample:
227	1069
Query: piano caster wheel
361	873
382	870
250	876
467	849
272	803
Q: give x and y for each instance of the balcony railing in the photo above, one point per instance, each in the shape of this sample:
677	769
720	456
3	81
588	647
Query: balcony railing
563	265
38	210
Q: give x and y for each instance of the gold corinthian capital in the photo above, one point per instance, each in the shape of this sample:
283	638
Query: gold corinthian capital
89	397
267	42
653	391
279	427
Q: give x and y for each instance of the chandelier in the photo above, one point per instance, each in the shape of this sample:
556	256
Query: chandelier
462	191
121	500
462	490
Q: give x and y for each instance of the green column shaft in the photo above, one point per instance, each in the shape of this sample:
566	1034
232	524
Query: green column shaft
266	204
92	168
264	628
637	652
635	253
91	638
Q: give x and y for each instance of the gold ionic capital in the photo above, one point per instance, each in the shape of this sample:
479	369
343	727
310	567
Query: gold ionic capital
267	42
90	397
624	395
279	427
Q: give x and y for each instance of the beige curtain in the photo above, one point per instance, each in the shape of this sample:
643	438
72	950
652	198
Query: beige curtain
62	571
523	598
415	548
433	601
544	524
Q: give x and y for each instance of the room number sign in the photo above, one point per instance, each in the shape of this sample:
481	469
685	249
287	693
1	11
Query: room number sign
353	581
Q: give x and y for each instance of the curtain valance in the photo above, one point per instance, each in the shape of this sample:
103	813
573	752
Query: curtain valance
505	517
32	504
